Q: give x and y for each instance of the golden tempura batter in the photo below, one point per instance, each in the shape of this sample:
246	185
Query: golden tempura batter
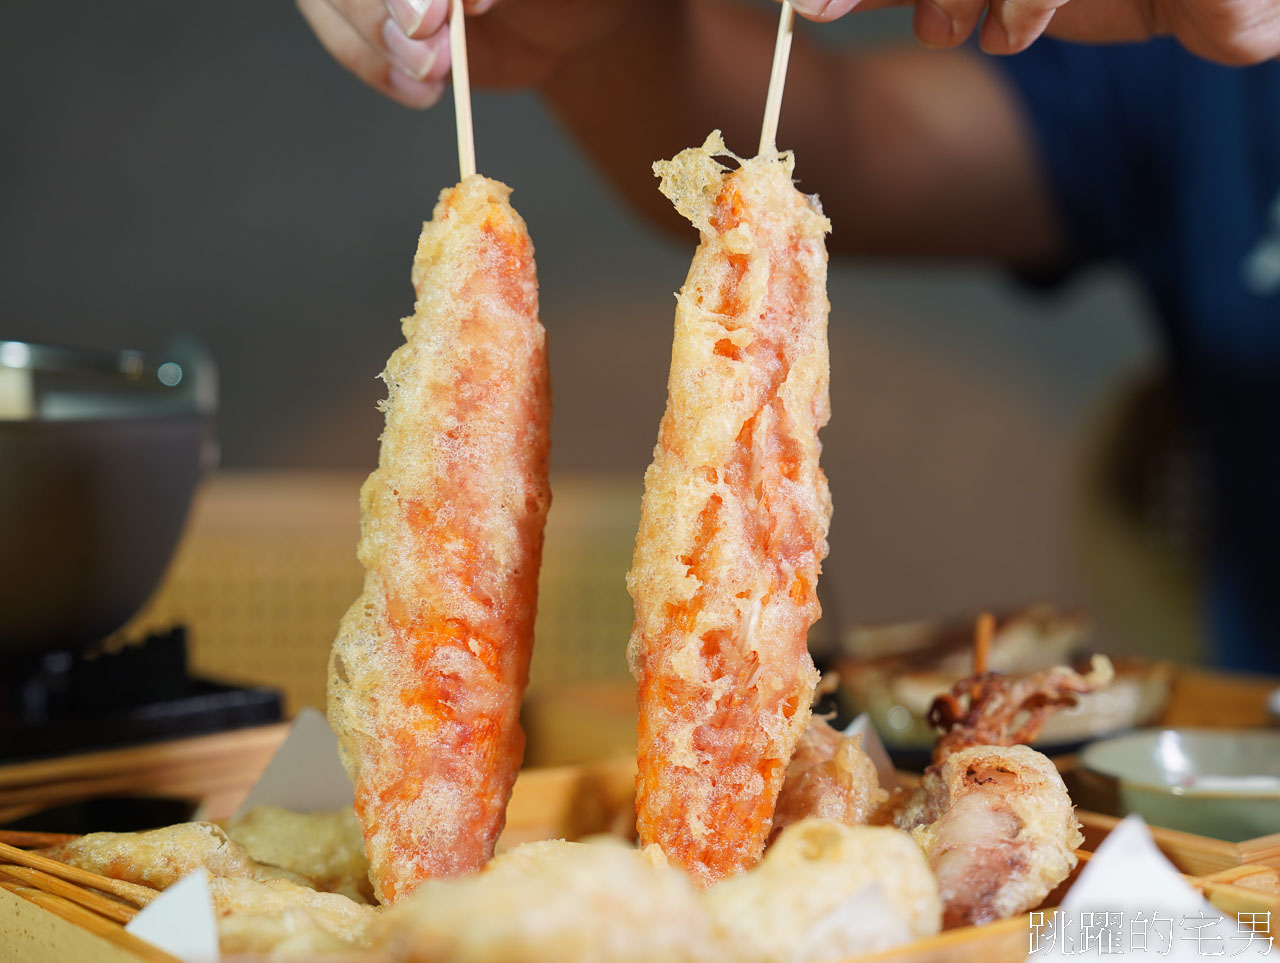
431	661
734	521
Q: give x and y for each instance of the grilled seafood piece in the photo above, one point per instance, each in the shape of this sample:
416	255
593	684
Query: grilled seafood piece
991	709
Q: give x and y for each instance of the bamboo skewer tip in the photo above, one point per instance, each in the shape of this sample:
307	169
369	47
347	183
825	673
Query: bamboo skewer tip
461	90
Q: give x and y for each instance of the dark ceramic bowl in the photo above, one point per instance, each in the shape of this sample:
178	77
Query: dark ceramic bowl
100	454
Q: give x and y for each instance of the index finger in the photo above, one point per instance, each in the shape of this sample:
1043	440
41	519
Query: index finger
421	19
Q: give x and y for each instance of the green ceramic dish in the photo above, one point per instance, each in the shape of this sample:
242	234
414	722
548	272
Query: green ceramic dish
1222	783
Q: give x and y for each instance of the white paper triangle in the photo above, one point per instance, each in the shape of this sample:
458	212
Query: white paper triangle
181	920
1130	899
874	747
306	774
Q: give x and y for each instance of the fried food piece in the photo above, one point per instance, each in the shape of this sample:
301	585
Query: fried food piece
553	902
827	891
991	709
342	919
430	663
326	849
994	818
242	888
734	519
292	934
160	857
829	777
998	829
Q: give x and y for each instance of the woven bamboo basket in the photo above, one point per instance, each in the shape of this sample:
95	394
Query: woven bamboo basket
49	911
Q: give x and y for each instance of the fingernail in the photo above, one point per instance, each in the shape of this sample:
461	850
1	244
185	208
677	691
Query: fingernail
414	57
408	14
933	25
412	92
810	8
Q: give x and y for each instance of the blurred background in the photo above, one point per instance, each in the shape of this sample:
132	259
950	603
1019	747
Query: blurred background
207	169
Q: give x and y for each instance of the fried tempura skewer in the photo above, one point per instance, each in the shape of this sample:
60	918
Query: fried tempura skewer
997	827
734	520
431	661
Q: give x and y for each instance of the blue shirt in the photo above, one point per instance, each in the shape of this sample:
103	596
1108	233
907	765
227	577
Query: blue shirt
1171	165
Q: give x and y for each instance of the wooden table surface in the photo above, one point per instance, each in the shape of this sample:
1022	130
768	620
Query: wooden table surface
1219	700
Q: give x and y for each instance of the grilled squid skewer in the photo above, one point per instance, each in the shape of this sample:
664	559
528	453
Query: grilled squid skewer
430	662
734	519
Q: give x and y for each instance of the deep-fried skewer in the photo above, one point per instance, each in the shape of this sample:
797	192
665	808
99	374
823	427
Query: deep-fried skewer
997	827
431	661
734	519
992	815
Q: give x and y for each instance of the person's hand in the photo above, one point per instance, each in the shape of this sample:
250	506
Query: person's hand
510	43
1228	31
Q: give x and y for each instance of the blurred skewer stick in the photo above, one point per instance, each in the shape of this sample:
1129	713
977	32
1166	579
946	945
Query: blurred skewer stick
28	840
986	630
461	90
777	79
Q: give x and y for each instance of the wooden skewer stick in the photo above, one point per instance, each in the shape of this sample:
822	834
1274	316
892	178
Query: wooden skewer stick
777	79
112	909
461	90
982	642
130	892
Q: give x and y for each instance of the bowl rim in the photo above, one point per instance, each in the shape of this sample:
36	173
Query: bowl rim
1166	789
